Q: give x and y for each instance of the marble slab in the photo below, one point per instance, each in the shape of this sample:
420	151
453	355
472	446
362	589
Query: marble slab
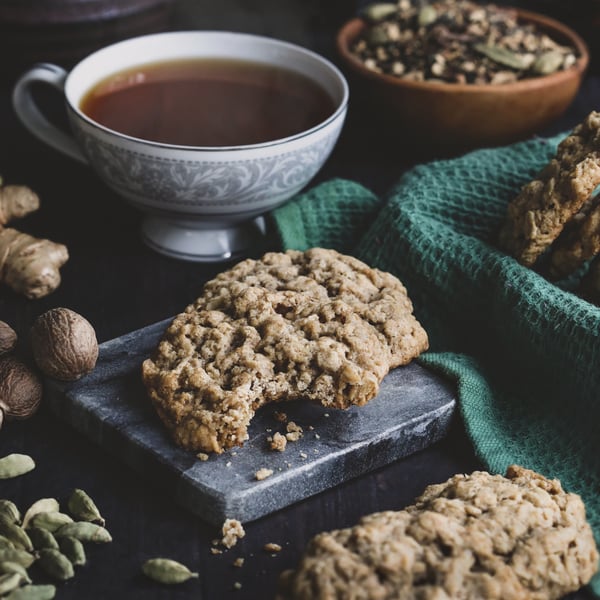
412	410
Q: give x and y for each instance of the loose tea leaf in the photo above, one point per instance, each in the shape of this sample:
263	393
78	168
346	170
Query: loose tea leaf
33	592
55	564
166	570
14	465
83	508
456	41
84	532
40	506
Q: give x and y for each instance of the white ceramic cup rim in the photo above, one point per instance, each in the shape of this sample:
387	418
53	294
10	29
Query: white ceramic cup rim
84	70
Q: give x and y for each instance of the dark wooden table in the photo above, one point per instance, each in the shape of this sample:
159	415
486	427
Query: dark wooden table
120	285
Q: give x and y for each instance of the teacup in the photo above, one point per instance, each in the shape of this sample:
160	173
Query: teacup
202	203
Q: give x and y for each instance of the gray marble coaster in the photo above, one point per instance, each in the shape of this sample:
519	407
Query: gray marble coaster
412	410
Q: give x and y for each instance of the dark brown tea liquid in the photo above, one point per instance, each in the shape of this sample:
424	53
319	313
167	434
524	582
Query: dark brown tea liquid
207	102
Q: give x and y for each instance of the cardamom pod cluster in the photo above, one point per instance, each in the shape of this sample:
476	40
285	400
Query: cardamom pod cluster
54	540
44	535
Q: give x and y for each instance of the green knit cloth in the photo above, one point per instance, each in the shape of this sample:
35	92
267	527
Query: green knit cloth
524	353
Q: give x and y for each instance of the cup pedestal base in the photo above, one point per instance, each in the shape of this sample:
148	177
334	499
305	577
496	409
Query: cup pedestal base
182	241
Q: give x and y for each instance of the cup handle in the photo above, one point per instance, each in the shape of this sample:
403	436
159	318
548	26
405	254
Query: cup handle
31	116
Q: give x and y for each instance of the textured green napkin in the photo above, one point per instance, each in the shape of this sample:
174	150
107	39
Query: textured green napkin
524	353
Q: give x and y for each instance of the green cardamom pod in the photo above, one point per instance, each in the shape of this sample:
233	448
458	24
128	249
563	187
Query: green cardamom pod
52	521
427	15
55	564
379	11
33	592
83	508
376	36
166	570
12	567
40	506
14	465
9	510
9	582
42	538
16	555
504	56
85	532
5	542
15	533
73	549
548	62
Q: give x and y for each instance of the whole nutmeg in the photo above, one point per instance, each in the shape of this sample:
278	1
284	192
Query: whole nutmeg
20	389
64	344
8	338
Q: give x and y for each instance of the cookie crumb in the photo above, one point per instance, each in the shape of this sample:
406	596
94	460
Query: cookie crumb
272	547
303	455
263	474
232	531
237	585
278	442
216	551
202	456
294	432
317	436
238	562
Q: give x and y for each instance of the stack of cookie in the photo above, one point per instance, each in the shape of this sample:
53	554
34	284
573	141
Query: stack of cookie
554	222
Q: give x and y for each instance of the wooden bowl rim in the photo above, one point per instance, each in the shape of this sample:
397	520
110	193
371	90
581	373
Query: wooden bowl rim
351	29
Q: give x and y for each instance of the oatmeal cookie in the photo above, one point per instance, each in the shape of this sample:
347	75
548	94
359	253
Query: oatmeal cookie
539	212
579	242
316	325
519	537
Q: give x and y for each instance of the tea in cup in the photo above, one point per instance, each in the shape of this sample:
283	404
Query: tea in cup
203	131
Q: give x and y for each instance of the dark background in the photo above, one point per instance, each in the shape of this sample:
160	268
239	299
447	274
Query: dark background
120	285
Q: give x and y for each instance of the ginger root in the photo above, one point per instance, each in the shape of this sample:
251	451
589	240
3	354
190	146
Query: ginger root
28	265
16	201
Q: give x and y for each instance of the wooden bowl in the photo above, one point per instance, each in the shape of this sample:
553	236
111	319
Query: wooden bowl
446	118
